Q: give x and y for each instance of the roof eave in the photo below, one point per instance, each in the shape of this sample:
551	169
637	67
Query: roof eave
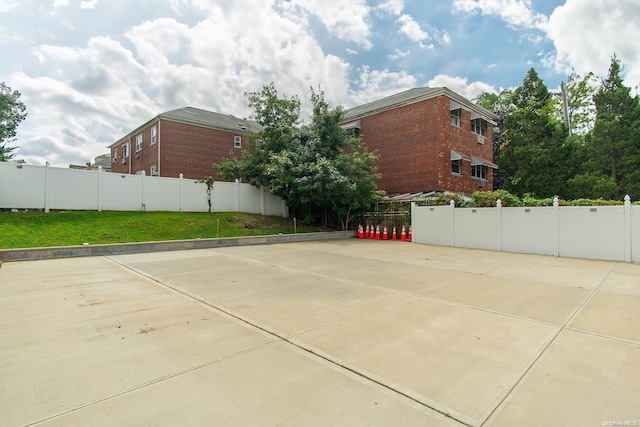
434	93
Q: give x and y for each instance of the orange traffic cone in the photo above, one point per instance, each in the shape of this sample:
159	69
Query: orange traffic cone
372	235
385	235
409	236
360	232
393	235
378	232
403	235
366	232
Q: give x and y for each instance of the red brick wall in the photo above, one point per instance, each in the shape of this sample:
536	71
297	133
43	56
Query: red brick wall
186	149
414	144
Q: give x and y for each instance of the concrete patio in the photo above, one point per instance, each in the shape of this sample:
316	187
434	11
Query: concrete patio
343	332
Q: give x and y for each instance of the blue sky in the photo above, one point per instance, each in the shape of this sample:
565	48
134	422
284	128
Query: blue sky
90	71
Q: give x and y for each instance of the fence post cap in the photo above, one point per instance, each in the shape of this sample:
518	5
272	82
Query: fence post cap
499	203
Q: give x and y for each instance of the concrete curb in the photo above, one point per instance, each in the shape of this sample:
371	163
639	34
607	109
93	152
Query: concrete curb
28	254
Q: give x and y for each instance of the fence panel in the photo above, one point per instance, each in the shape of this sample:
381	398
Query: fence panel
274	205
72	189
601	232
21	186
476	228
592	232
436	225
161	194
44	187
529	230
120	192
194	196
223	195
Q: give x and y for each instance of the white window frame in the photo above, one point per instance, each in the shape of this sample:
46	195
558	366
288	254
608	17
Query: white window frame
237	141
479	172
479	126
125	150
154	135
153	171
138	143
455	117
456	164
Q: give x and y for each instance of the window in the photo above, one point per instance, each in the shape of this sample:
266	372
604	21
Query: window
479	126
153	171
154	135
138	143
455	117
125	151
237	141
455	166
479	171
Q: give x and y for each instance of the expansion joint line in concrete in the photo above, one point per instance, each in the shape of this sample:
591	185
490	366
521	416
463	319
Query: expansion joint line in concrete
287	340
562	328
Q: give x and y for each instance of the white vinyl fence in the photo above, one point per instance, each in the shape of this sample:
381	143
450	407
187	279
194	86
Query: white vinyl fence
591	232
44	187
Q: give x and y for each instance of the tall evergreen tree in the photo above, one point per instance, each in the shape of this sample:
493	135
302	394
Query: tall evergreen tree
613	145
536	157
501	106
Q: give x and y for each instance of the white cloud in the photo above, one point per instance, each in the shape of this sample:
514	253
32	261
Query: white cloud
96	93
399	54
410	28
516	13
58	3
88	4
586	34
346	19
393	7
461	85
7	5
376	84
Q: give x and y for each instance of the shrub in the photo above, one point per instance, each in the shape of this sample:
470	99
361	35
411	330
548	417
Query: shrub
444	199
488	199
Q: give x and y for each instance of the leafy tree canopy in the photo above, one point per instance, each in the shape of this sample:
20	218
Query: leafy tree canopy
12	112
317	167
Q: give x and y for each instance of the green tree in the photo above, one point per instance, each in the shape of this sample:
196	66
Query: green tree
315	168
501	106
581	108
12	112
278	116
537	157
613	146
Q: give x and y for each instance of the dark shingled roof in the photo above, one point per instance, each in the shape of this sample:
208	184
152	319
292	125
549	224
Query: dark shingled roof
206	118
412	96
199	117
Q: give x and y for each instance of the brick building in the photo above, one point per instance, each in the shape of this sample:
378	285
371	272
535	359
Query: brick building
186	140
428	139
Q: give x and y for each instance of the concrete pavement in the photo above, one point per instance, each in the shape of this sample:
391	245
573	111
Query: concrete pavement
342	332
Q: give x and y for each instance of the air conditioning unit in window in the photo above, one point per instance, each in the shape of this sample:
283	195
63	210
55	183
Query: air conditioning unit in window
115	160
124	160
480	139
137	154
480	184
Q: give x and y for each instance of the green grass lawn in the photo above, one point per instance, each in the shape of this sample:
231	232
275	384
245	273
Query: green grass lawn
67	228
